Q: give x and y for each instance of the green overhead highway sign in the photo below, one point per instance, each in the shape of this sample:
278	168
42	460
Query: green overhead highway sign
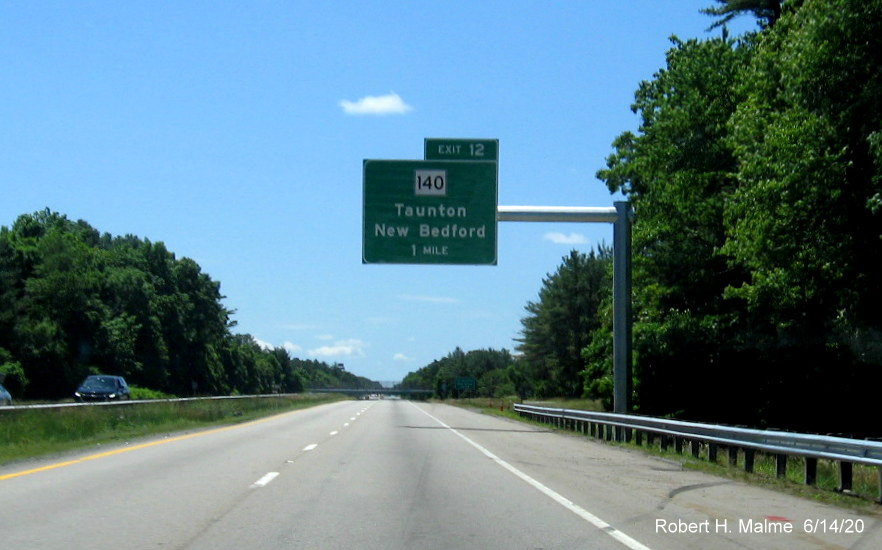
429	212
461	149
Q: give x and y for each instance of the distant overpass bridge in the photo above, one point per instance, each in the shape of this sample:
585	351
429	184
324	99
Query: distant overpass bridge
376	391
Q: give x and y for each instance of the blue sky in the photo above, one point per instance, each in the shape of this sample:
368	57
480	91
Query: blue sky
235	132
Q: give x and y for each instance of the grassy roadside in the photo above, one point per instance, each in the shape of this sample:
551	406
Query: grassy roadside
865	478
30	433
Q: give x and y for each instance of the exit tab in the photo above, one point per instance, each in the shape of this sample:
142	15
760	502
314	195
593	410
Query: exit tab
462	149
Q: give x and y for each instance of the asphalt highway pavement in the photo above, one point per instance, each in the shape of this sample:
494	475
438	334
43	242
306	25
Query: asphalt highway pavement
396	474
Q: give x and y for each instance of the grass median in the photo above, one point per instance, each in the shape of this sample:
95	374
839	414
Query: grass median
30	433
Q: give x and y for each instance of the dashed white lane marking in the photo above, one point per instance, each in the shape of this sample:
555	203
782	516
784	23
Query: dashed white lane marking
552	494
262	482
265	480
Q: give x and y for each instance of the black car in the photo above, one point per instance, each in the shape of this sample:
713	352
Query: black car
103	387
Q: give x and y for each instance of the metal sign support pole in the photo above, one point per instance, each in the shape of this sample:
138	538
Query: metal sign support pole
622	318
620	216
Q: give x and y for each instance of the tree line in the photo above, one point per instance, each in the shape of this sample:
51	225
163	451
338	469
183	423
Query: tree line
74	301
493	373
570	312
756	180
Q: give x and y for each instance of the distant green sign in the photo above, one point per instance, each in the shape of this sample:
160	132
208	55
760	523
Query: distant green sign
466	383
429	212
461	149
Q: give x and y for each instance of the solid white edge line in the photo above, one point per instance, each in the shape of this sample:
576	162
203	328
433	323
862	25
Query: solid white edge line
264	481
551	493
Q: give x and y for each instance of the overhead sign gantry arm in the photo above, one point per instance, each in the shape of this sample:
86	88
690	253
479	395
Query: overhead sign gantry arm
620	216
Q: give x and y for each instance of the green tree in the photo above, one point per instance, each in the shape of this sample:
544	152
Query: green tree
493	370
320	375
679	172
559	325
496	383
73	301
805	218
64	311
766	11
12	375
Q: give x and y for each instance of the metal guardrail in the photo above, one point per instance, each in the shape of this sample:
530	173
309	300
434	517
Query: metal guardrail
141	401
811	447
209	398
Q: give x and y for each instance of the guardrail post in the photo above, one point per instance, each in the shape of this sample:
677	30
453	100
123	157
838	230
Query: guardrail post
781	466
880	486
733	455
811	471
696	447
749	455
712	452
678	445
845	476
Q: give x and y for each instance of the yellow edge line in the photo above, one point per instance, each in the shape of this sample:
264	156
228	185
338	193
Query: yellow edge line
138	447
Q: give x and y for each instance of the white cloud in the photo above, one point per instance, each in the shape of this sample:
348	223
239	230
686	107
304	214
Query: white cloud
432	299
560	238
349	348
291	348
390	104
266	346
400	357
